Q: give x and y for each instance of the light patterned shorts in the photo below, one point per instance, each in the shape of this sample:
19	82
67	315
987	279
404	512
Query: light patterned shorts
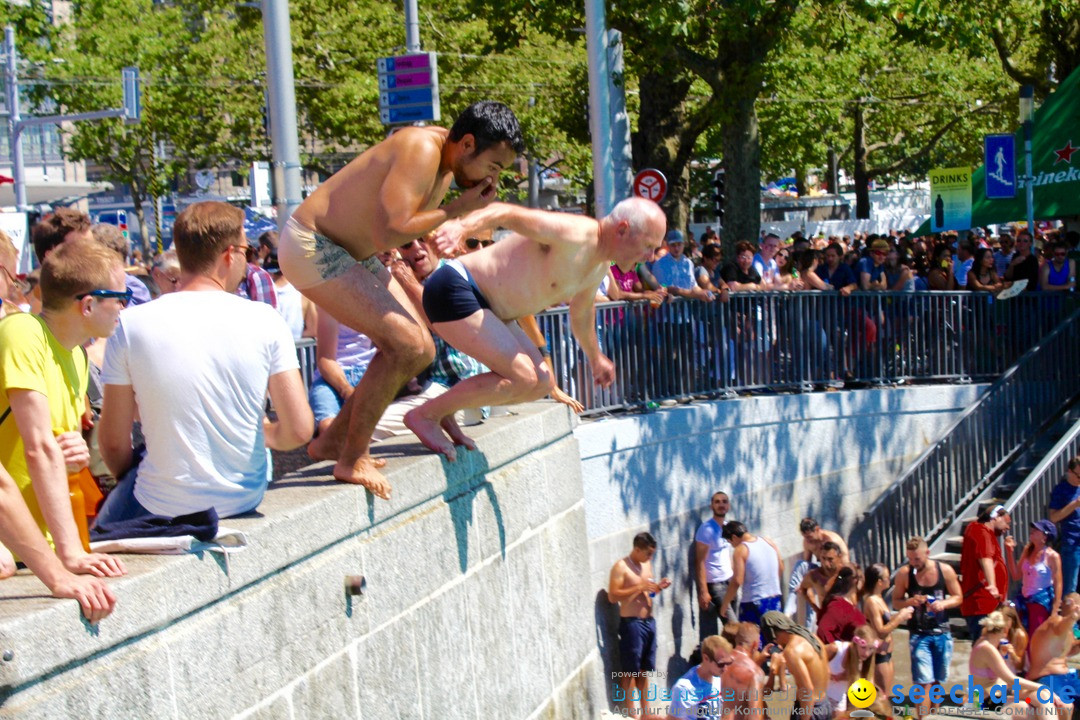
308	258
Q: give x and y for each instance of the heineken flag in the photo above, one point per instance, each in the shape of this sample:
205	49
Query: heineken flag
1055	163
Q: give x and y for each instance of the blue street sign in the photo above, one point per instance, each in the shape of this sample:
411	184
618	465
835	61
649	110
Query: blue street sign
410	96
1000	159
407	114
409	88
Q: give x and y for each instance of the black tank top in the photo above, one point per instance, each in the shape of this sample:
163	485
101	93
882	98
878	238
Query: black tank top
923	621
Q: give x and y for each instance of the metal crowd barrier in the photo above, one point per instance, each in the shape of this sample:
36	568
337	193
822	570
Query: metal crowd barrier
984	440
1031	500
305	353
798	340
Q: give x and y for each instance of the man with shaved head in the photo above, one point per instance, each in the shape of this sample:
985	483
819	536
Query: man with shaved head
472	302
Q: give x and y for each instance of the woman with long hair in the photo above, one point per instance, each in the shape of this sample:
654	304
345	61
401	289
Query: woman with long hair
1015	650
988	669
840	615
1040	572
983	274
848	662
882	620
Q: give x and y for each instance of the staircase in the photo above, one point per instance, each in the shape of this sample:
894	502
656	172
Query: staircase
1024	489
985	457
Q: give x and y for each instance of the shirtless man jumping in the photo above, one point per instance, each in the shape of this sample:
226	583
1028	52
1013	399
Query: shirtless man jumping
472	301
386	197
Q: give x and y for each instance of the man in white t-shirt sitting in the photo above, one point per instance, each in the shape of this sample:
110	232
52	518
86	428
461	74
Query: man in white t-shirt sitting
699	693
196	365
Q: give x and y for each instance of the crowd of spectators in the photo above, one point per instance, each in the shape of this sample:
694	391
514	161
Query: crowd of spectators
168	417
838	625
896	261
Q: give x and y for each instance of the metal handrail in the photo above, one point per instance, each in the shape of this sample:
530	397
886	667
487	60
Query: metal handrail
797	340
986	437
1030	501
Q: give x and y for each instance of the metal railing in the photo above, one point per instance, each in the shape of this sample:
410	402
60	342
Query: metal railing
798	340
1032	498
305	353
926	499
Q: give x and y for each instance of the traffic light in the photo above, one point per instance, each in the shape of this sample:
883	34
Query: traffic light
718	195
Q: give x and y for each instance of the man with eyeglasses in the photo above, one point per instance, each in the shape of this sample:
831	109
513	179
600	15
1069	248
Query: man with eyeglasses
699	693
389	195
43	378
195	366
166	272
1065	511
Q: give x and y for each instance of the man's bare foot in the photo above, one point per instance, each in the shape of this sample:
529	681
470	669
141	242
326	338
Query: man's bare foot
317	450
7	563
364	472
429	433
451	427
320	448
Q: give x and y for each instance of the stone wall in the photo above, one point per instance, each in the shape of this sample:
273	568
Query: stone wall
782	457
477	602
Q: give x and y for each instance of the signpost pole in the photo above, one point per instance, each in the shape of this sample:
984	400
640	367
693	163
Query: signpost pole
1027	117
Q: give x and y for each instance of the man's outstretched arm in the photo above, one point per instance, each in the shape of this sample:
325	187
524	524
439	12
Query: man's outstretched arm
543	226
583	325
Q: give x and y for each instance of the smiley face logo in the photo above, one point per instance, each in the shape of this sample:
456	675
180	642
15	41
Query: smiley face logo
862	693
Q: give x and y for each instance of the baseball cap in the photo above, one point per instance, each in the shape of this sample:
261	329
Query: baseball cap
674	236
1048	528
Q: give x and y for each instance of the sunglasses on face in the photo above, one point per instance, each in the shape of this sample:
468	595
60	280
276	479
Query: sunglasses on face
123	296
473	243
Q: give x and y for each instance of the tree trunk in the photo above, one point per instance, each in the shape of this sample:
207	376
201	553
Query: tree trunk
834	172
658	142
742	186
800	181
862	177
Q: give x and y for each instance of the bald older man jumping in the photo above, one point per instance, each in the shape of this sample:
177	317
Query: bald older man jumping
472	302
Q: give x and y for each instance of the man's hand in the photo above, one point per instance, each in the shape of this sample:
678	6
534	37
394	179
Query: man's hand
76	452
847	290
665	583
559	396
95	597
478	196
448	239
704	599
994	592
1010	543
97	564
603	371
655	297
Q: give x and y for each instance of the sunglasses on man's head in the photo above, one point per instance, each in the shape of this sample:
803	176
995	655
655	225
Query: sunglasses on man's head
123	296
473	243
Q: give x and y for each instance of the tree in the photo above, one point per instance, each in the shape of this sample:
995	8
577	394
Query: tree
1037	42
695	64
198	97
890	106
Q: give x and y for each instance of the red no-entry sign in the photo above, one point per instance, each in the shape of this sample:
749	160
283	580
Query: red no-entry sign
650	184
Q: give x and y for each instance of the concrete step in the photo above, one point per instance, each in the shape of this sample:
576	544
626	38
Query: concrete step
954	544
